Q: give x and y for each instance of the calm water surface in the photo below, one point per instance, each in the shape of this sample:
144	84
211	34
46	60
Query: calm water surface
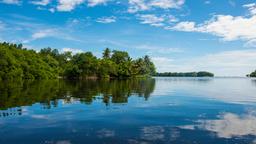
159	110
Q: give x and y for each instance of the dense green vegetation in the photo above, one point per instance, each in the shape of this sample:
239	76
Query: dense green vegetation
253	74
17	62
48	92
187	74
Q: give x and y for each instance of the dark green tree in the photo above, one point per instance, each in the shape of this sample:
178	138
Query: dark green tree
17	62
107	53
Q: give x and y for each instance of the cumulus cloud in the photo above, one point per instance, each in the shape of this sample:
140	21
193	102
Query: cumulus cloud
137	5
41	2
251	7
106	20
151	19
166	4
227	27
155	20
68	5
92	3
231	28
142	5
15	2
184	26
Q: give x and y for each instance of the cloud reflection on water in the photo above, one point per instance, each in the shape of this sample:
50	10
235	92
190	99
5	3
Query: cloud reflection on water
228	126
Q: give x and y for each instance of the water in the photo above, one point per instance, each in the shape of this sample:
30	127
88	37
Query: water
159	110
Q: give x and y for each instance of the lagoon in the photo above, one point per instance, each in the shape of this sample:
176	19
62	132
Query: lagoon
155	110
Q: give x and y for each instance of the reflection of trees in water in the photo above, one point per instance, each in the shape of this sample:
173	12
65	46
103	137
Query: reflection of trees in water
48	93
11	112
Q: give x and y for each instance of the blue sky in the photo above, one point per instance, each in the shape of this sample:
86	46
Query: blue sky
179	35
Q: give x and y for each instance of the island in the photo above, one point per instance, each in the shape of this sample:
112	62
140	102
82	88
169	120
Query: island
185	74
17	62
253	74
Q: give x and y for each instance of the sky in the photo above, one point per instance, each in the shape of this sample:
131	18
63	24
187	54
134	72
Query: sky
179	35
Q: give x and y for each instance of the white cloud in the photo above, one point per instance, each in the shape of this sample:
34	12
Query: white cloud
43	33
231	28
92	3
227	27
166	4
171	19
41	2
251	7
151	19
73	50
155	20
227	63
15	2
68	5
184	26
137	5
142	5
106	20
50	32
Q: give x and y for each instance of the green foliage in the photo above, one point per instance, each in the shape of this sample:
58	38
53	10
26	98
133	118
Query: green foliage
17	62
188	74
48	92
253	74
106	53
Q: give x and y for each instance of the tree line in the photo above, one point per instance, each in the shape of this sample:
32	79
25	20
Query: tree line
253	74
17	62
186	74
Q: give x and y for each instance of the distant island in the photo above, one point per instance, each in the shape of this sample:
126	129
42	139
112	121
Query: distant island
253	74
17	62
186	74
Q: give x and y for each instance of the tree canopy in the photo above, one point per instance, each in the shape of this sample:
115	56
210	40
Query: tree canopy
17	62
253	74
187	74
